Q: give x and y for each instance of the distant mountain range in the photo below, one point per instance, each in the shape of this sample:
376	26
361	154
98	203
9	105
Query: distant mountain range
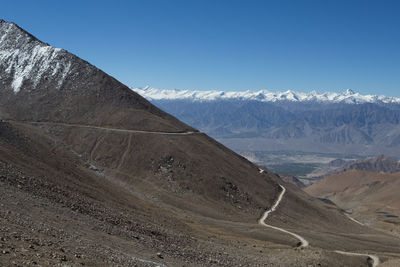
345	123
348	96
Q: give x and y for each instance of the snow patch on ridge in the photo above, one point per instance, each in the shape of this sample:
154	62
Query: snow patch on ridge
25	59
30	64
6	33
347	96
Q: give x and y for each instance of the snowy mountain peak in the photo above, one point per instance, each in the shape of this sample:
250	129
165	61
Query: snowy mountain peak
348	96
28	61
348	92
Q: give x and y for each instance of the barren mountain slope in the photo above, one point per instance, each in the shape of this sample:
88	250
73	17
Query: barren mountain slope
372	197
91	172
41	83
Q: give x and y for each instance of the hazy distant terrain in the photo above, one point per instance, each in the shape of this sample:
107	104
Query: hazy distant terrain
300	164
302	131
346	123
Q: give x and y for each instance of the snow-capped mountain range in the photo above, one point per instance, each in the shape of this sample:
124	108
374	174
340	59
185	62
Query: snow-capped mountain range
346	122
347	96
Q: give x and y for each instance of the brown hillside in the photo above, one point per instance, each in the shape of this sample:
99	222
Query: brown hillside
370	196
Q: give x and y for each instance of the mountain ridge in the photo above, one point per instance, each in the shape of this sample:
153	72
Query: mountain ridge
381	164
362	128
348	96
33	76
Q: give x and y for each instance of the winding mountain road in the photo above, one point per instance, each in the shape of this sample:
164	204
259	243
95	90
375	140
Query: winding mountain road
375	260
303	242
107	128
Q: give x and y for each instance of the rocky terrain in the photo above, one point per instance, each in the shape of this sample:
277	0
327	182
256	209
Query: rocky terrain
93	174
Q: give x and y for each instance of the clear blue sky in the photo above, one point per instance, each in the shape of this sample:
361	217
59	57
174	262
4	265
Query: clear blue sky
225	44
